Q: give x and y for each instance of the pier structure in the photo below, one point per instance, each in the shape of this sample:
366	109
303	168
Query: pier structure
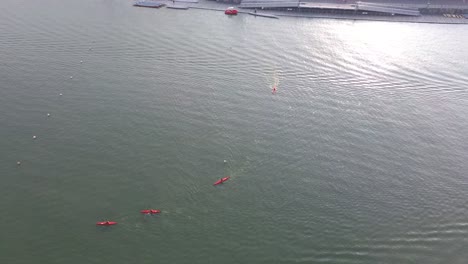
371	7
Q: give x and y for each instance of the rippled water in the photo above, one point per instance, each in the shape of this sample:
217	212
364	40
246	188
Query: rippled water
360	156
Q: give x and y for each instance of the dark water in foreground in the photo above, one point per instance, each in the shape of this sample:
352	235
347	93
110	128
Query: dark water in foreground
360	157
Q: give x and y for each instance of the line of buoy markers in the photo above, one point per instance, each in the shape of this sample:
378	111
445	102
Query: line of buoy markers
18	163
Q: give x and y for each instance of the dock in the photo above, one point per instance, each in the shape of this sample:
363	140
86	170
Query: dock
380	7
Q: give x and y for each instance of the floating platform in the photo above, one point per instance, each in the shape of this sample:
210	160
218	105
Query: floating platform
263	15
149	4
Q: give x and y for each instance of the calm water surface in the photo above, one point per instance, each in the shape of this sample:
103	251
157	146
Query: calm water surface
360	156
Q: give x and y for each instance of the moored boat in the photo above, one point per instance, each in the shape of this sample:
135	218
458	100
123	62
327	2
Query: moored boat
230	11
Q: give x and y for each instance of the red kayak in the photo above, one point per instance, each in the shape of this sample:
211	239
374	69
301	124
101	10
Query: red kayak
222	180
150	211
106	223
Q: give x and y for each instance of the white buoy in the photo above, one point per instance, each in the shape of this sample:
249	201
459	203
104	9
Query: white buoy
34	137
18	163
225	161
71	77
48	114
81	61
60	94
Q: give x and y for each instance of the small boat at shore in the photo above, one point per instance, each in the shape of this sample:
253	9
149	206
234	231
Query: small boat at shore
230	11
150	4
263	15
